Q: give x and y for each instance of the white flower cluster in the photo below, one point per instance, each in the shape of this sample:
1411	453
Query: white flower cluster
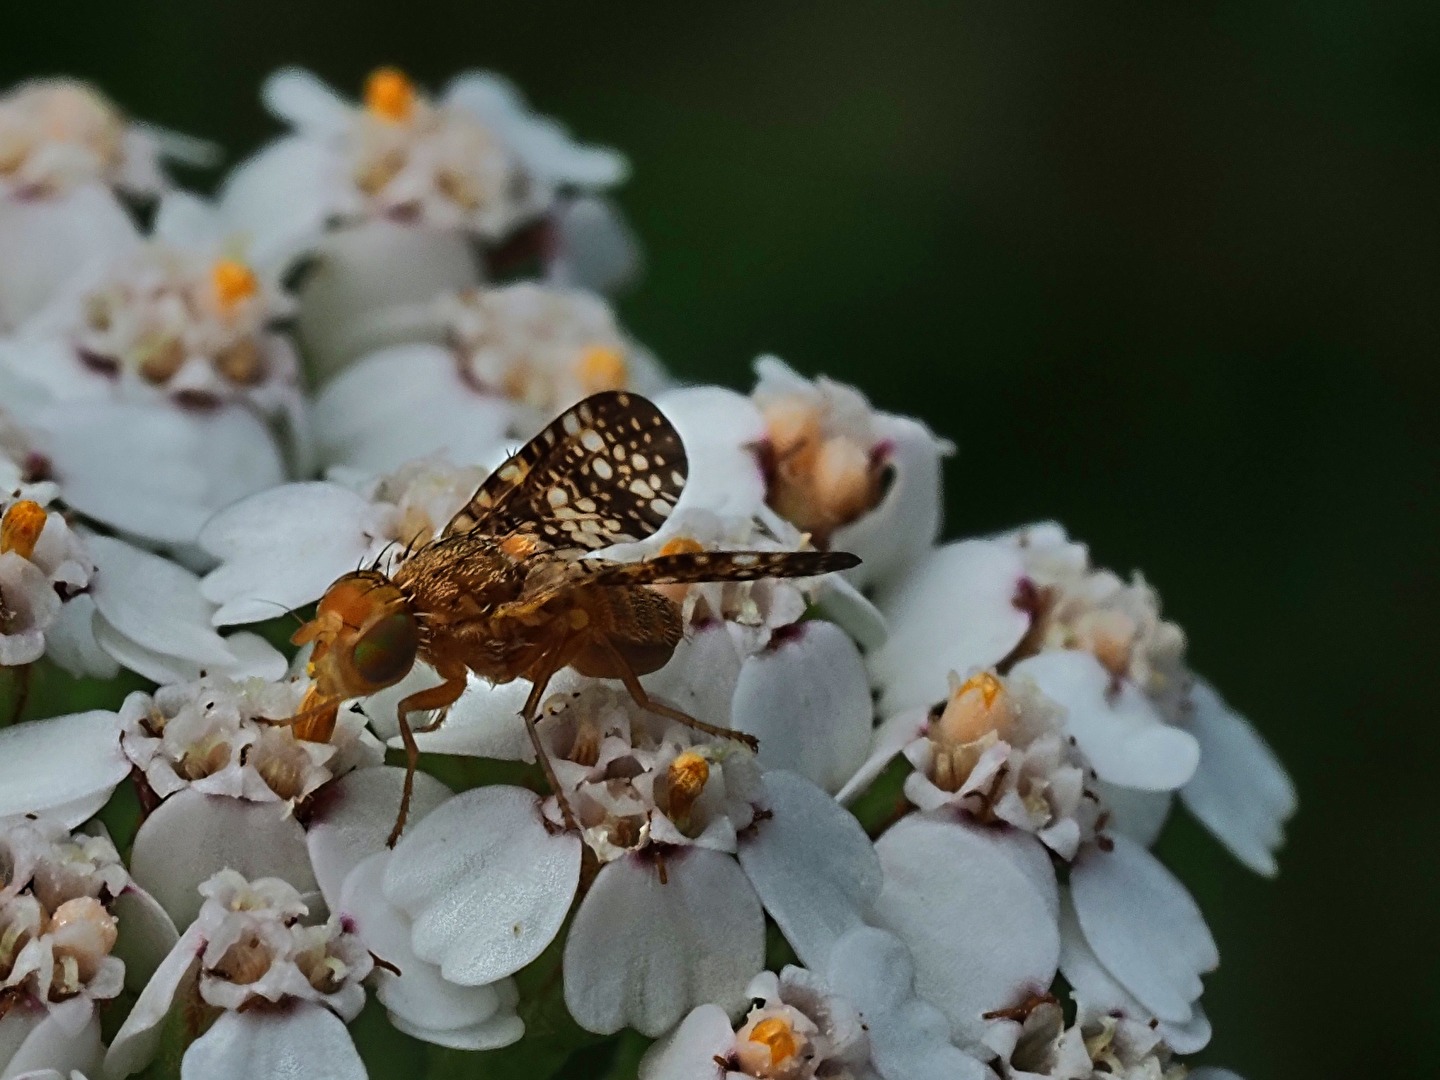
167	475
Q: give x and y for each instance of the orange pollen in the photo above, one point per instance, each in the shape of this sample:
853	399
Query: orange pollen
390	95
681	545
233	282
778	1036
21	527
602	367
688	774
987	684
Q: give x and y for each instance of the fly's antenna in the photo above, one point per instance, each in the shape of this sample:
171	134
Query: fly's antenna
285	609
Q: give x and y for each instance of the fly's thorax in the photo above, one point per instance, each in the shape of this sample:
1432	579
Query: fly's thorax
366	636
460	577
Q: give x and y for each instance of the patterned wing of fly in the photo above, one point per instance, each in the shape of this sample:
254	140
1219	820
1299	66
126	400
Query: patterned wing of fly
607	471
686	567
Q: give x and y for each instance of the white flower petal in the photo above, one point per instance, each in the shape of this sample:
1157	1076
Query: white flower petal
486	883
405	402
1210	1072
155	471
154	603
807	699
281	549
955	611
889	739
47	242
1118	730
70	762
40	1039
544	146
894	536
302	100
187	221
418	998
1143	926
364	270
719	428
280	199
909	1038
352	819
134	1045
147	934
1098	993
689	1052
304	1039
71	641
191	836
812	865
1240	792
977	909
595	248
642	954
1140	815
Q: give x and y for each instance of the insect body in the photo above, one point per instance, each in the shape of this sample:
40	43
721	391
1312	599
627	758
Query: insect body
506	592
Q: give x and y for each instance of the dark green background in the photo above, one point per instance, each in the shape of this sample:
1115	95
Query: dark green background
1167	276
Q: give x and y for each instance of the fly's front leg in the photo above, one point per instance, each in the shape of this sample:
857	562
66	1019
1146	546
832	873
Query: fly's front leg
435	697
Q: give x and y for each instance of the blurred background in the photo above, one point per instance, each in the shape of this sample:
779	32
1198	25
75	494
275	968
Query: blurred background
1169	277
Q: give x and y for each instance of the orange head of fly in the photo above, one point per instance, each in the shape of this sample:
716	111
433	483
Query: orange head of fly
365	636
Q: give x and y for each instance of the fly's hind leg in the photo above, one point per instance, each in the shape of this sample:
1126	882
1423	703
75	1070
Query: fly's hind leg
626	674
532	705
435	697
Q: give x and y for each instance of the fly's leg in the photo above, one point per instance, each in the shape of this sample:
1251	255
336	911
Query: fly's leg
435	697
532	705
627	675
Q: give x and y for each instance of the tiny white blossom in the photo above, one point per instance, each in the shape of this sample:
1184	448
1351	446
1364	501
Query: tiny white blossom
285	989
1031	603
65	899
503	362
854	1018
228	767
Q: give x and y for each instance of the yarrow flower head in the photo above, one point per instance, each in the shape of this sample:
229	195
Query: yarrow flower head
735	752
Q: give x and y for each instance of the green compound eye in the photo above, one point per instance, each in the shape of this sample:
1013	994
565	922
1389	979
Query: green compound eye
387	651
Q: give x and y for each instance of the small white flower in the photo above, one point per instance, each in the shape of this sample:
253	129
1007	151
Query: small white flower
230	771
475	159
65	153
182	315
848	476
692	841
1031	603
65	899
404	184
855	1017
285	989
1096	1047
57	134
503	363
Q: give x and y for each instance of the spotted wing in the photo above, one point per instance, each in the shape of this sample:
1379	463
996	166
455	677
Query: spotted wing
607	471
556	578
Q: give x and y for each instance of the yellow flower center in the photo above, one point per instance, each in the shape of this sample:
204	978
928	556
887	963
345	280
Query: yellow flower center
233	283
685	780
602	367
776	1034
21	527
977	707
390	95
